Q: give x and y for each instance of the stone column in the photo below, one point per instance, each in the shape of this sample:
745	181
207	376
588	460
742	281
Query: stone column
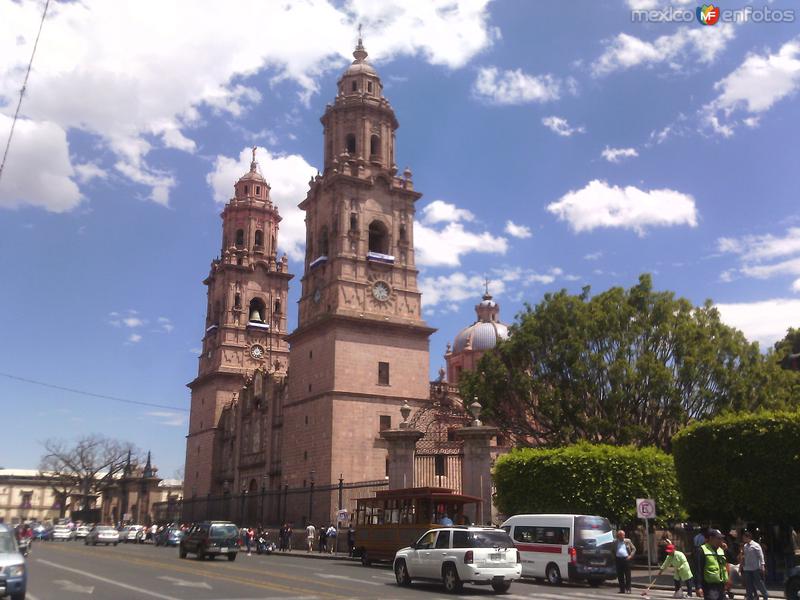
476	468
401	444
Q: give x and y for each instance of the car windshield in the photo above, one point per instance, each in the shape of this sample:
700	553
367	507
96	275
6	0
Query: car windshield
7	544
223	531
592	531
481	539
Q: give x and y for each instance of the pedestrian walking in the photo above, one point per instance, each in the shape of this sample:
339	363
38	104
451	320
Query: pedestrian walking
289	533
330	538
282	538
311	533
351	540
624	551
682	572
714	575
753	568
323	539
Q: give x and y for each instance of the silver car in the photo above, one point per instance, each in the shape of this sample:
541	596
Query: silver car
13	571
102	534
62	533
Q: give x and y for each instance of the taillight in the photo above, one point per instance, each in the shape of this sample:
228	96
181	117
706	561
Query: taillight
468	557
519	557
573	555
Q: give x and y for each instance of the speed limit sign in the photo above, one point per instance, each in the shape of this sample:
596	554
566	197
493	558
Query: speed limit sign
645	508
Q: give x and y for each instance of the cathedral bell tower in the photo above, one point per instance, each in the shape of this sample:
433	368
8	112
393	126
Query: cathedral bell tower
361	346
245	326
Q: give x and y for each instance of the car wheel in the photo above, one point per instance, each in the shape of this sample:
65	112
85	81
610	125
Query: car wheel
115	544
553	574
181	552
595	583
451	580
501	587
232	557
401	573
793	589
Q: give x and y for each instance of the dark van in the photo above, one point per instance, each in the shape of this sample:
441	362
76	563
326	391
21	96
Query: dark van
210	539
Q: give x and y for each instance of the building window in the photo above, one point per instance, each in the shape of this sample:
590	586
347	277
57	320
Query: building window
439	465
245	190
387	466
237	300
239	238
378	238
258	311
354	86
258	190
350	143
309	387
305	454
277	307
402	232
323	242
385	422
353	221
310	354
383	373
306	419
369	87
374	146
259	238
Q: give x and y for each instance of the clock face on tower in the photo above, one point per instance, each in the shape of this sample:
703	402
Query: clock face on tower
381	291
257	351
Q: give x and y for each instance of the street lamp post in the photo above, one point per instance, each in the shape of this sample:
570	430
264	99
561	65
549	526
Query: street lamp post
311	497
261	502
244	502
285	498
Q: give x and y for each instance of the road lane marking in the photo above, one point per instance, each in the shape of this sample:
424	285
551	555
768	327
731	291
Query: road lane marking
128	559
185	583
346	578
108	581
71	586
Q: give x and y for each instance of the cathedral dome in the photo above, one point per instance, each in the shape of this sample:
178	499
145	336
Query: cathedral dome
484	333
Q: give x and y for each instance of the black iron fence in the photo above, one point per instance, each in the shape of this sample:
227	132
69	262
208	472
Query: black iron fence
270	507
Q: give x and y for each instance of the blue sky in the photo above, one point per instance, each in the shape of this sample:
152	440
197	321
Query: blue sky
556	144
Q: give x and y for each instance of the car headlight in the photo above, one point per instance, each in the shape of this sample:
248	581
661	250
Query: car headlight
14	571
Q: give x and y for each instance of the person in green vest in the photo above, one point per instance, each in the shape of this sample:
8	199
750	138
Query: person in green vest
714	575
682	571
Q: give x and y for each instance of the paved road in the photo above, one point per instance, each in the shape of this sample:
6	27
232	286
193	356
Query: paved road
73	571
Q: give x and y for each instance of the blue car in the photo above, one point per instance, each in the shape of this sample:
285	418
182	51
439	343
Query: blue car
169	536
13	571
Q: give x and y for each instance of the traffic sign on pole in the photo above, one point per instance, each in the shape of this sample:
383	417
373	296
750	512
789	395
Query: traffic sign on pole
645	508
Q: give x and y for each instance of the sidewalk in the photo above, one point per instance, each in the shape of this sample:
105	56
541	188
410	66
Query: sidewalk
639	579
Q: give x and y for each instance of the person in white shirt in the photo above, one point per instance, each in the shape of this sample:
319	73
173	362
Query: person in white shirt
624	550
311	533
753	568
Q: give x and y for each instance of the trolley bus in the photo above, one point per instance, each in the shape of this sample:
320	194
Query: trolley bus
394	519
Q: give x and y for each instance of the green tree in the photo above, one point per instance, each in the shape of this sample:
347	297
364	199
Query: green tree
741	466
787	350
587	479
622	367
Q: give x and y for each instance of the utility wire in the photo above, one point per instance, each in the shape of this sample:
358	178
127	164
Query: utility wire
92	394
22	90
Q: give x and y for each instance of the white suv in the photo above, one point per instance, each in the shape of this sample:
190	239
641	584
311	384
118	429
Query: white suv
459	555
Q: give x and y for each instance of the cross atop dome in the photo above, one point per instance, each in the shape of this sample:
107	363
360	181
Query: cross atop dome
360	54
253	163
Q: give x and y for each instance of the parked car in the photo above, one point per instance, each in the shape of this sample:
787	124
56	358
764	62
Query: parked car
132	533
792	587
62	533
210	539
82	531
13	571
459	555
554	547
42	532
102	534
168	536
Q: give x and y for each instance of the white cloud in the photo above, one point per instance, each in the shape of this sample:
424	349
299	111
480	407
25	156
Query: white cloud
168	418
602	205
517	231
38	171
440	211
134	338
754	87
132	322
593	256
560	126
454	288
616	155
165	324
86	172
796	286
702	44
445	246
526	277
136	75
764	256
764	321
288	176
517	87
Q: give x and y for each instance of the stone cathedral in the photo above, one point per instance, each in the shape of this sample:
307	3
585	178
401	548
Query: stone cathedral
271	408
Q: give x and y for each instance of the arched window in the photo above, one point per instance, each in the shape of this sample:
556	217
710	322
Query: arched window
277	307
259	239
323	242
350	143
245	190
375	146
354	86
258	311
353	221
378	238
253	486
258	190
237	300
402	232
239	238
369	87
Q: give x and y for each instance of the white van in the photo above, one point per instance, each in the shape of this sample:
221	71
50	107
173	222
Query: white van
576	547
